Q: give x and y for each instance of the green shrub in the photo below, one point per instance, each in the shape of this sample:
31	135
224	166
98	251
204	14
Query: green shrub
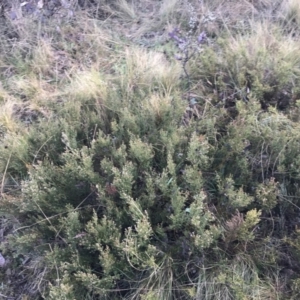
119	183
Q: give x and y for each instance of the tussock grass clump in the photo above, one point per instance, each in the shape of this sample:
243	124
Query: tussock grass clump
131	173
259	65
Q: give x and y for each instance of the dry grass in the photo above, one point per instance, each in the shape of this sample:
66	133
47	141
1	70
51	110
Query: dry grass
127	10
290	10
149	70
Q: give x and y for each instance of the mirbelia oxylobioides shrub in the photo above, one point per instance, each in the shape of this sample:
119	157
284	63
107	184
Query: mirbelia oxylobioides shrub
123	200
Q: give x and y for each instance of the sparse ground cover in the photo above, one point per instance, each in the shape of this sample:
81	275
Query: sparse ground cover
150	149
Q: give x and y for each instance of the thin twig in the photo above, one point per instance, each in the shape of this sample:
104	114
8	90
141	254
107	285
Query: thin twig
35	156
4	175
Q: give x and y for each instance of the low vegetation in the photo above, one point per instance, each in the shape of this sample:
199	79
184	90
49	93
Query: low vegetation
150	150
